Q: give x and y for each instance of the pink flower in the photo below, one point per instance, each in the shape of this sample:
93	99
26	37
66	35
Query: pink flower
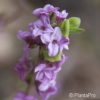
22	96
45	10
55	42
23	67
45	75
60	16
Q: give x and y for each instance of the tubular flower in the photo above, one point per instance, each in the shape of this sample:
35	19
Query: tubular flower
23	67
22	96
46	10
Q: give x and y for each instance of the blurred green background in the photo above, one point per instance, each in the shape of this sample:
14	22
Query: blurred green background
80	73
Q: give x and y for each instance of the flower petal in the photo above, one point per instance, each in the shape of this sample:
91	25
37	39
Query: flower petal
40	67
45	38
57	35
53	49
43	87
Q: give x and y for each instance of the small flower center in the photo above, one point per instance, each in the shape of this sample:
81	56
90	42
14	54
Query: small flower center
54	41
43	27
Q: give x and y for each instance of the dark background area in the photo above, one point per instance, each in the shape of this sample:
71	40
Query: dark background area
79	74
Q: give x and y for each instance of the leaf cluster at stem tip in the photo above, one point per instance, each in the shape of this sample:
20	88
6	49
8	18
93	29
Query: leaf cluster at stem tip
71	26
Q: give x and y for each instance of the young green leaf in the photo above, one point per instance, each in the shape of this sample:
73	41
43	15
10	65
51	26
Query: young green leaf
74	22
74	25
65	27
76	30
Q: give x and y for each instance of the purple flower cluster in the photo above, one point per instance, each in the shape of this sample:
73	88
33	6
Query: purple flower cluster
46	74
22	96
46	34
24	66
41	32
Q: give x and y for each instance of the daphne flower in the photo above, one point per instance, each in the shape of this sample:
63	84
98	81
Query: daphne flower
22	96
64	44
58	43
46	10
45	75
46	86
58	64
46	94
23	67
55	42
49	8
45	72
41	27
60	16
27	37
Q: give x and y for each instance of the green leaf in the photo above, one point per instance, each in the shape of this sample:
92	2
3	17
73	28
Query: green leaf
65	27
53	59
74	25
46	57
74	22
71	26
76	30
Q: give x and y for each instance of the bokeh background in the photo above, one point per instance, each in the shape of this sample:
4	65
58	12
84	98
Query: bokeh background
80	73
